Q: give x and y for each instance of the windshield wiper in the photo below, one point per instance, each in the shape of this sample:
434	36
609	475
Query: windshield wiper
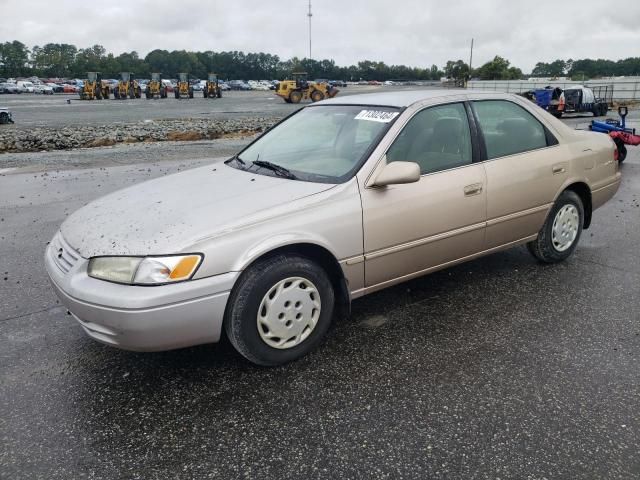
278	169
238	160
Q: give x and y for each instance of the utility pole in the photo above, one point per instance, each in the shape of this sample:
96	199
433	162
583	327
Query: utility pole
470	61
309	15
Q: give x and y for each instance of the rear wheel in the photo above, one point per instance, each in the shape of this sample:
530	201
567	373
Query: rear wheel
561	232
191	93
4	118
295	96
219	94
204	92
279	310
176	93
622	150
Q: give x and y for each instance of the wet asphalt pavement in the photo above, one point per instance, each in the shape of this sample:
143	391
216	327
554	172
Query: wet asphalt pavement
498	368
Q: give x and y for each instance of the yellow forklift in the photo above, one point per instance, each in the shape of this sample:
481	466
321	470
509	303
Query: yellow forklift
94	88
127	87
155	88
183	89
212	87
298	89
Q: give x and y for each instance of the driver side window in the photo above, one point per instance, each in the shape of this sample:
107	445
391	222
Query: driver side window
437	138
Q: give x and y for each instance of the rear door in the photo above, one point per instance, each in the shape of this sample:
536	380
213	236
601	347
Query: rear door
525	169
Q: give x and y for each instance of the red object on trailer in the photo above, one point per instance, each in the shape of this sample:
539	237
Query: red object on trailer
626	138
621	139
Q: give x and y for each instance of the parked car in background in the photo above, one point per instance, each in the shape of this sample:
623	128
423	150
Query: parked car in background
66	88
55	87
7	87
5	116
337	83
274	243
25	86
223	85
168	85
43	89
239	85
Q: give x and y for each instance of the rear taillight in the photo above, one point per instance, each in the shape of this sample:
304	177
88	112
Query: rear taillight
616	154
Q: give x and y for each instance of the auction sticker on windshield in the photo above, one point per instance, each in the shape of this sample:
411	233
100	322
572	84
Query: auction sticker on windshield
376	116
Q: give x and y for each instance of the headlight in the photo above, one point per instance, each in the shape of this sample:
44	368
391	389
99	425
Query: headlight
144	270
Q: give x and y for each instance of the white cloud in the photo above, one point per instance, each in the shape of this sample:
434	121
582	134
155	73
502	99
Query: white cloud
411	32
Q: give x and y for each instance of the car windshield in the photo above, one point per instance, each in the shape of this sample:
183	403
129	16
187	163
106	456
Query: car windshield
321	143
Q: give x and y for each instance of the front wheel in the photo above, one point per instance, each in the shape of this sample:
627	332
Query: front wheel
561	232
295	96
280	310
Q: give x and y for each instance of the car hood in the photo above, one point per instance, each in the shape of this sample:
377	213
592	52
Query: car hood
170	214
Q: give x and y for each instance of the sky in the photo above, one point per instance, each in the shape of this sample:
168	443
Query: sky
410	32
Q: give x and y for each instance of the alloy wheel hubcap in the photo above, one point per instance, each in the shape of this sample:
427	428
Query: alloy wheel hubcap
288	313
565	227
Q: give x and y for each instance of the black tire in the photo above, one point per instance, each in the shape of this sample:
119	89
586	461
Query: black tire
204	92
295	96
287	100
219	94
543	247
317	95
176	93
241	316
191	93
4	118
622	150
557	114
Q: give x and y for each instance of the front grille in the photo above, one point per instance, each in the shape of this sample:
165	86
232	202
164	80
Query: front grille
63	256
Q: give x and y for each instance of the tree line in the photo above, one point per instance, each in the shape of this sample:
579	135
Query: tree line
61	60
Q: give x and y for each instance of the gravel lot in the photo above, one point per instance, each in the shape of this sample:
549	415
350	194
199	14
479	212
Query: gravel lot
499	368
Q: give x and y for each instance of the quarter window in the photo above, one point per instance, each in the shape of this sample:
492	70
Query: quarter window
437	138
508	128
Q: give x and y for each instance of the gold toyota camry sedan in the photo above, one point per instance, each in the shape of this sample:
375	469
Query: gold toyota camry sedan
344	197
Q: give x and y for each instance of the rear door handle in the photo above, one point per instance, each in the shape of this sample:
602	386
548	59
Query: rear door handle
558	169
474	189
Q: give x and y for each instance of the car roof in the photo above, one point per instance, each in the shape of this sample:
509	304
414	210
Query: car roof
403	98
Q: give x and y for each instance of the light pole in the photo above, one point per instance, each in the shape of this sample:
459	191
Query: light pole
309	15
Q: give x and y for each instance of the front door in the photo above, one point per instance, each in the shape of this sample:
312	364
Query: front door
412	228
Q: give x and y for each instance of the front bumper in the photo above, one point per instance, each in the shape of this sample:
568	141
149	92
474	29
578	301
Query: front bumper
138	318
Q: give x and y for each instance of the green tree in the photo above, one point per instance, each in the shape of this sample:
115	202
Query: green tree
14	59
456	70
498	69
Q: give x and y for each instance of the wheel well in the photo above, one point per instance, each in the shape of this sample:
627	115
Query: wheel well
326	260
583	191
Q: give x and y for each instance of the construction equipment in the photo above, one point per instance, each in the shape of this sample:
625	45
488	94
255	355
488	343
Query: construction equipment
183	89
155	88
127	87
298	89
94	88
212	87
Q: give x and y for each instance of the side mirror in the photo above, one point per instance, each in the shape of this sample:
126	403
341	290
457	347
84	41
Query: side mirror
395	173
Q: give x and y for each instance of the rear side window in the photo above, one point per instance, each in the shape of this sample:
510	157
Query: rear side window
437	138
508	128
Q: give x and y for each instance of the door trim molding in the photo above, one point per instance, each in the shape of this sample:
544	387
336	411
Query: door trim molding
423	241
521	213
379	286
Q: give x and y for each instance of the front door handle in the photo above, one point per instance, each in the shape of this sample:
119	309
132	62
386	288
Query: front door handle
471	190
